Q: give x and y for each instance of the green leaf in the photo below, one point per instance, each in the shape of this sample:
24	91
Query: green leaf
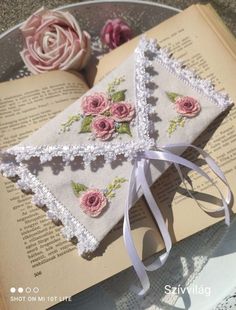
173	96
111	195
173	124
112	187
77	188
118	96
112	86
107	113
124	128
181	121
86	124
66	126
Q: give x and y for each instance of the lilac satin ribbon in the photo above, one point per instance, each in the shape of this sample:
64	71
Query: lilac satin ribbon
138	180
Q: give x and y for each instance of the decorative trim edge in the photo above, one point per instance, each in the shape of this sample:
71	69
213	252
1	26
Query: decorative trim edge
87	243
202	86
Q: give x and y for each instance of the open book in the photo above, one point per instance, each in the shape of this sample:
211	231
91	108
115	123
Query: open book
34	255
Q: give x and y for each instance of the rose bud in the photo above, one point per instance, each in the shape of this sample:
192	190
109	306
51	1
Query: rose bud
187	106
115	32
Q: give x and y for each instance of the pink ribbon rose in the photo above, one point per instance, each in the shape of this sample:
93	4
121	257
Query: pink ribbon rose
95	104
54	40
103	127
187	106
92	202
122	112
115	32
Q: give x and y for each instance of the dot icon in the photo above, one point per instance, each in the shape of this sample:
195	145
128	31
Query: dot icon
20	290
28	290
35	290
12	289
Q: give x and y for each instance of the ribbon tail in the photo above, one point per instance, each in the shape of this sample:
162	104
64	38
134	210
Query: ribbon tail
128	240
156	214
137	180
217	171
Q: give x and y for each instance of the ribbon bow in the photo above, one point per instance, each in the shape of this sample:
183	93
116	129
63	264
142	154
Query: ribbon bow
138	180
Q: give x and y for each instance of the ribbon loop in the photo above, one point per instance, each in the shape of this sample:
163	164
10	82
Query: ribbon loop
138	180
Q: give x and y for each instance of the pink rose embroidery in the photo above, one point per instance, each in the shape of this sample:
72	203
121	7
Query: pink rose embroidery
115	32
93	202
104	114
95	104
187	106
103	127
122	112
54	40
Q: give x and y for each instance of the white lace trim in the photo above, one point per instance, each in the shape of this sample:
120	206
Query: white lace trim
87	152
202	86
56	211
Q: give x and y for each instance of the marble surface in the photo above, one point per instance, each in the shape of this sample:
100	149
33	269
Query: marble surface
15	11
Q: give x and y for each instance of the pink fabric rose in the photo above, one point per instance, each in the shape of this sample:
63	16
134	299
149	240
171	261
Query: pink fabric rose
122	112
115	32
95	104
103	127
54	40
93	202
187	106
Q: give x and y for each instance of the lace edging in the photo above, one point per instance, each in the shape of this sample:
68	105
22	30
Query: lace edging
56	211
202	86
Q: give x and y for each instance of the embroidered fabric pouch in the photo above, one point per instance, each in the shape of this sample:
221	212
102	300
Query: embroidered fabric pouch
78	165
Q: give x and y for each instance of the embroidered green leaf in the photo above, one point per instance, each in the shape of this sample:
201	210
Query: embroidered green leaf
77	188
111	195
179	121
123	128
116	184
66	126
173	96
86	124
118	96
112	86
107	113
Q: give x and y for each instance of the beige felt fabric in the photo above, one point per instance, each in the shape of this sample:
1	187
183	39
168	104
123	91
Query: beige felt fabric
57	176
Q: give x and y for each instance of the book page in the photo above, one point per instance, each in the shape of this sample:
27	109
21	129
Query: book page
206	46
33	252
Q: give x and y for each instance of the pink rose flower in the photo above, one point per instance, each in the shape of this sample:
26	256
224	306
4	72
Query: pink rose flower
95	104
122	111
93	202
115	32
103	127
54	40
187	106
